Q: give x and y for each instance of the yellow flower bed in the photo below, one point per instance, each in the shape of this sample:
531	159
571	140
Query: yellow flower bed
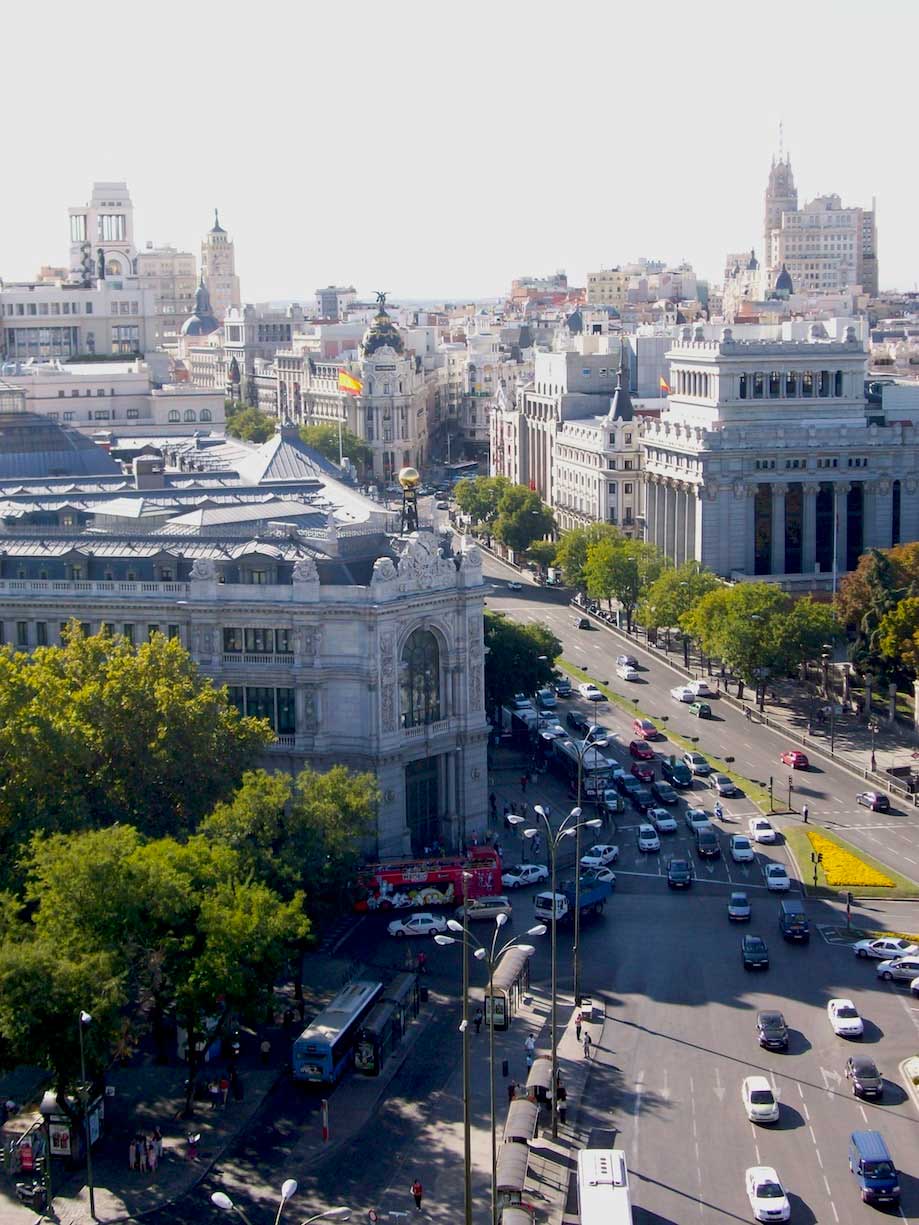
841	867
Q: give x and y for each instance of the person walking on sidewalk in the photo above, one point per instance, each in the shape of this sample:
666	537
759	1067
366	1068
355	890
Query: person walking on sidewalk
417	1193
588	1042
578	1022
477	1020
805	813
529	1044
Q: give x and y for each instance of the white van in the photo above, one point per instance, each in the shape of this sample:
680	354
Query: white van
626	672
682	693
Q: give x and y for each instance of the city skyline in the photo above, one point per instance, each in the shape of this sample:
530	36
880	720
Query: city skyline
365	168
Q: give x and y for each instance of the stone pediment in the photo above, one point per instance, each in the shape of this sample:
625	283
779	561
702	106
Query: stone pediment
421	567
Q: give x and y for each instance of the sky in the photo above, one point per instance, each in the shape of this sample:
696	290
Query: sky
440	150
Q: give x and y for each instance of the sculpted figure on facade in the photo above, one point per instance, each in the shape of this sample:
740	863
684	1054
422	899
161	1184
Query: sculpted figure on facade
384	570
305	570
203	570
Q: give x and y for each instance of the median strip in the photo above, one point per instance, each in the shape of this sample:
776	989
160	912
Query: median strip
843	860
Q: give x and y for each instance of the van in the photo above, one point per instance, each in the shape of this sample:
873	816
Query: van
626	672
793	922
484	908
872	1165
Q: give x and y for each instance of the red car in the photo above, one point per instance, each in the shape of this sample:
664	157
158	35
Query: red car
641	751
642	772
795	758
644	729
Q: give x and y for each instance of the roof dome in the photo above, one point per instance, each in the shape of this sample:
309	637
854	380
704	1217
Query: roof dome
381	334
752	262
202	321
575	323
783	281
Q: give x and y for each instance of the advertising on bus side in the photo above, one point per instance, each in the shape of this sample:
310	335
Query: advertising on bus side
401	884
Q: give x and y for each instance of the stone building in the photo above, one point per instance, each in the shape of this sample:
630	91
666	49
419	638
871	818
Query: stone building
218	268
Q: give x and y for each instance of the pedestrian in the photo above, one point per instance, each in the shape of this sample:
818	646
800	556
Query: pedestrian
529	1060
142	1155
224	1089
151	1156
477	1020
213	1090
588	1042
422	963
529	1044
132	1154
265	1050
523	783
805	813
417	1192
578	1022
158	1144
193	1137
511	1090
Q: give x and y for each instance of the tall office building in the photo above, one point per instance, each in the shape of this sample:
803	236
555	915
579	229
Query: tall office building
218	269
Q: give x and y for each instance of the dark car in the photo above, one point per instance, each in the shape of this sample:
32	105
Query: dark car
642	798
877	801
577	722
641	751
643	772
771	1029
754	953
863	1075
707	843
664	793
626	784
679	873
676	772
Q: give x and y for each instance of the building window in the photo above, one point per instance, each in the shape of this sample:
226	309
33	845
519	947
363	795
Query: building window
151	630
22	633
758	385
174	415
775	385
837	390
824	383
627	488
807	383
420	679
743	387
282	644
174	631
791	385
41	633
260	703
190	414
259	642
287	716
108	627
232	640
133	414
128	630
206	415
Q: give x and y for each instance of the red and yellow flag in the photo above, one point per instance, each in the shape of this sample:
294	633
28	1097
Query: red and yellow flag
665	386
347	382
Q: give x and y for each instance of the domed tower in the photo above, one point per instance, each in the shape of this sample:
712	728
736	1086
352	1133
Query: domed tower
218	268
201	322
382	334
389	413
781	197
783	283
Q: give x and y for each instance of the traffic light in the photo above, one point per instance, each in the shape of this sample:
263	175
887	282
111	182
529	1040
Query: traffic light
820	857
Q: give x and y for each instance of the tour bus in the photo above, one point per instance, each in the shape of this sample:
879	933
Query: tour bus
603	1187
324	1050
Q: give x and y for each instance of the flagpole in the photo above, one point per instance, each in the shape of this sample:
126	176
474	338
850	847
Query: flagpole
341	458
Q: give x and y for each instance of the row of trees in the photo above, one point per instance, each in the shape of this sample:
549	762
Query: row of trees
513	514
252	425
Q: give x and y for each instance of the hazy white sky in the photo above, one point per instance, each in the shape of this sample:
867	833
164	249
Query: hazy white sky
439	150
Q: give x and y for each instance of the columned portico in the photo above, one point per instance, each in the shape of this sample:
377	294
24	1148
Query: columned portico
777	559
679	548
841	513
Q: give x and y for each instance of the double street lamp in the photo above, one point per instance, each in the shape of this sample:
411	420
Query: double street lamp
221	1200
84	1020
595	742
491	956
554	840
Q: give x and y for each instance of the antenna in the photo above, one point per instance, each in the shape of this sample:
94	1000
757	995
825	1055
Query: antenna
781	141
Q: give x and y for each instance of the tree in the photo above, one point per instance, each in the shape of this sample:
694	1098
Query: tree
128	734
520	658
571	550
250	424
478	498
673	593
542	553
522	518
621	570
898	636
323	437
881	580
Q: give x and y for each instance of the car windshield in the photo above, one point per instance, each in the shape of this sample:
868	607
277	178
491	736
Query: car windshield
901	944
740	844
864	1067
879	1169
769	1190
754	944
739	899
762	1097
846	1011
761	825
776	870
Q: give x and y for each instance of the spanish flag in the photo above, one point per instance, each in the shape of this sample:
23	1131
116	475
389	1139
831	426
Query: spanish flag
665	386
347	382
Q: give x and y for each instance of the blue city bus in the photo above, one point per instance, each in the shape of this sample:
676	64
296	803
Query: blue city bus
325	1049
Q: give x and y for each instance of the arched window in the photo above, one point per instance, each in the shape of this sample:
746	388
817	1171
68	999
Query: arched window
174	415
420	679
190	415
206	414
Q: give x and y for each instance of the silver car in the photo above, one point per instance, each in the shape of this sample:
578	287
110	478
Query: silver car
484	908
900	969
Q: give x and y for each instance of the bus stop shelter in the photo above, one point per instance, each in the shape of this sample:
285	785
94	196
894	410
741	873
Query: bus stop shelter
522	1119
510	982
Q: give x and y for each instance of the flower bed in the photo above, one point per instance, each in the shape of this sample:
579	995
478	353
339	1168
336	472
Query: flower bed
842	868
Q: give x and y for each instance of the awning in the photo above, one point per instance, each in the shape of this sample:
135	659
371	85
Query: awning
514	1215
540	1076
522	1117
509	969
512	1167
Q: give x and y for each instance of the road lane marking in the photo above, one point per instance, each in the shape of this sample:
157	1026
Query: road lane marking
862	1109
819	1158
835	1213
827	1185
800	1090
807	1113
813	1137
719	1087
637	1111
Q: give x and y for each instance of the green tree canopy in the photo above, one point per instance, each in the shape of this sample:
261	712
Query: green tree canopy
621	570
673	593
522	518
479	497
323	437
249	424
882	579
898	636
520	659
571	550
542	553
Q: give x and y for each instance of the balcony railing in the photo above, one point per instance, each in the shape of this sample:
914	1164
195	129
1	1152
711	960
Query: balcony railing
241	657
426	729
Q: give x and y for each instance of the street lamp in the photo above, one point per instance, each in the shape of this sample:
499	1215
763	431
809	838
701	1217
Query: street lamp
873	728
565	830
826	657
590	742
86	1019
222	1201
490	957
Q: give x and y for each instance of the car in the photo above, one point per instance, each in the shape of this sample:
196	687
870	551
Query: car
546	699
524	874
753	952
863	1075
644	729
581	623
694	817
663	821
421	924
738	907
626	672
642	798
742	849
675	772
627	784
776	878
697	764
552	728
641	750
664	793
701	689
577	723
771	1031
610	802
563	687
599	856
768	1201
513	585
760	830
642	771
626	661
679	873
682	693
844	1019
885	948
591	692
794	758
442	505
707	844
877	801
483	908
648	839
701	710
722	785
899	969
757	1096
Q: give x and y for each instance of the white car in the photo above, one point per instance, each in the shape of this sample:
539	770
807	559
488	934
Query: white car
696	819
885	948
701	689
742	849
513	585
602	874
697	764
422	924
843	1016
626	672
590	691
759	1100
899	969
768	1201
682	693
525	874
552	728
760	830
776	878
599	856
662	820
648	839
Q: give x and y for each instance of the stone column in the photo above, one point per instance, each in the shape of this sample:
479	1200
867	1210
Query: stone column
909	509
883	515
660	513
679	536
869	507
809	527
840	493
692	547
777	560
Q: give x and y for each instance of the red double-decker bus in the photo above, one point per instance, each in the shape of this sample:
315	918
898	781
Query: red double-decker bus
403	883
